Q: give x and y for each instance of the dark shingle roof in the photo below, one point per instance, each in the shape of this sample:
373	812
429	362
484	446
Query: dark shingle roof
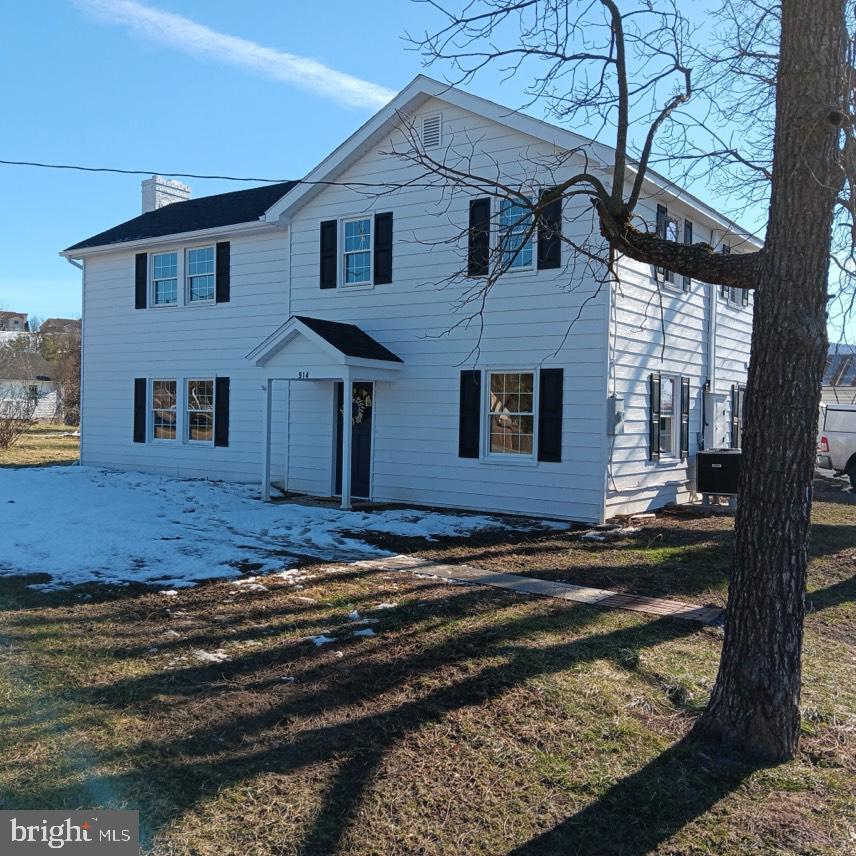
349	339
207	212
24	365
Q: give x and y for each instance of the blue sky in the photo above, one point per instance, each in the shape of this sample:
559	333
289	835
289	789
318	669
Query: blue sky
261	88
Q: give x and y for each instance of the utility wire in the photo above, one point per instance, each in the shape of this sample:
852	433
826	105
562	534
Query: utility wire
138	171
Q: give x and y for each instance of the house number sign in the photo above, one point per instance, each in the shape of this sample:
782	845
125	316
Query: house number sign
303	375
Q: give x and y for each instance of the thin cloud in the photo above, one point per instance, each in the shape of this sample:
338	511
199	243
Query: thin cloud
200	41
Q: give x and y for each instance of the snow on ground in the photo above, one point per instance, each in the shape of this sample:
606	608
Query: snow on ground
84	524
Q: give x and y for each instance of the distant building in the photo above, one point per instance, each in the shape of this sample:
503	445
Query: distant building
26	375
14	322
54	326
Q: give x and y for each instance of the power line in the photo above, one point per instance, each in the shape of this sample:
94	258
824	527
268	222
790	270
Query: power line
139	171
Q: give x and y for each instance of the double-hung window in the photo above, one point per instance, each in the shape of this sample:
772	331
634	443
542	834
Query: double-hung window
164	411
200	274
200	410
165	279
357	245
668	420
511	416
515	228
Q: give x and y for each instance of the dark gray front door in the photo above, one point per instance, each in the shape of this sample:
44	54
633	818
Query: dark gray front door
361	438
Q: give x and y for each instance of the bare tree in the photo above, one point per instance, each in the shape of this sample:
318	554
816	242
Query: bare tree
629	75
63	350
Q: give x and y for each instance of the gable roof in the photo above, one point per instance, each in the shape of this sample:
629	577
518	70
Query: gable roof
206	212
423	88
349	339
24	366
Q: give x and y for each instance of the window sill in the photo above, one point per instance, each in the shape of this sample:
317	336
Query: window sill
499	460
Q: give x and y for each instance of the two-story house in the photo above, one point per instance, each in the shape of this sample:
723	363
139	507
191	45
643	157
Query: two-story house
306	334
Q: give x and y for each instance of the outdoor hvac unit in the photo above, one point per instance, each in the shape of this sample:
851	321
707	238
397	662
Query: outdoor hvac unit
717	471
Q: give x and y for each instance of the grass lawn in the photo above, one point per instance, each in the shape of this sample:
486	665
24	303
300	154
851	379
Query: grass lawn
44	444
474	721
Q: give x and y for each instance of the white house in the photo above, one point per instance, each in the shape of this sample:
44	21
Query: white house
26	385
220	332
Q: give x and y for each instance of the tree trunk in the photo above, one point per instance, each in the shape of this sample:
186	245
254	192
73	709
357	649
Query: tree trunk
755	701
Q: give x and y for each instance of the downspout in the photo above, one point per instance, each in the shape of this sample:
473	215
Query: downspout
82	268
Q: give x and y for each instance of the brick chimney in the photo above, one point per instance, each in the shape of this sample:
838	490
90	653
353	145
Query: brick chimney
159	191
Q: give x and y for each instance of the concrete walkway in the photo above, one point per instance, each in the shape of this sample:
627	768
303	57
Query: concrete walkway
546	588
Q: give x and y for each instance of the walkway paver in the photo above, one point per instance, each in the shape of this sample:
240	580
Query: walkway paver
547	588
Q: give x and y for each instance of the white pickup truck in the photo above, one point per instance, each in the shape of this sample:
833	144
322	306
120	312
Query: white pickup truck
836	447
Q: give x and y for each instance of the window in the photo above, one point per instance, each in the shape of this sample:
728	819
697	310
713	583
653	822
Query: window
515	225
357	248
667	229
200	274
165	279
738	415
511	413
200	410
164	412
668	422
33	392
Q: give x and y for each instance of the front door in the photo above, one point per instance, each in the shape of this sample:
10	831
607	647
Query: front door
361	438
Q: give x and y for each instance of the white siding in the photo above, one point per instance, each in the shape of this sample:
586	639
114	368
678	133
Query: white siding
526	319
658	328
122	343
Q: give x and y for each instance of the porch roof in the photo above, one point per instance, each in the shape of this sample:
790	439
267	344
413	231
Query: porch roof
342	345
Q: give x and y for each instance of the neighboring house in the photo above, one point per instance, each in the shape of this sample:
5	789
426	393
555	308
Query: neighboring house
220	332
58	326
14	322
27	376
839	378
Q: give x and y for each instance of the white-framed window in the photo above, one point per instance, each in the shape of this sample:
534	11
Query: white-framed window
671	228
515	235
357	251
199	274
200	410
164	279
164	409
510	426
670	391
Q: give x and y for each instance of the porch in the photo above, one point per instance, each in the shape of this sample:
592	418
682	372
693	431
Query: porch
308	350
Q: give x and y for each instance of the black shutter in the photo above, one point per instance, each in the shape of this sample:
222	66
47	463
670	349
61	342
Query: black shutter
550	233
469	425
383	248
550	415
140	387
735	417
654	417
688	239
221	411
141	280
223	272
724	290
685	417
478	252
744	296
662	216
329	259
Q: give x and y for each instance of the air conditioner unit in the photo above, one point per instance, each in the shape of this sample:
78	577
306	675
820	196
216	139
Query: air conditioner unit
717	471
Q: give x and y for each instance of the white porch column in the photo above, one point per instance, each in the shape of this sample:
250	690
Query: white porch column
345	439
267	388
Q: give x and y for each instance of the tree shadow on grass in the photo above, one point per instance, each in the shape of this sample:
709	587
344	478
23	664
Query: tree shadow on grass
372	714
649	806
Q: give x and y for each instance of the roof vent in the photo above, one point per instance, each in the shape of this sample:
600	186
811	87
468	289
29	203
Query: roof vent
159	191
431	127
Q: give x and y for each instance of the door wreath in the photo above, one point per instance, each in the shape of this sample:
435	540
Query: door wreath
360	403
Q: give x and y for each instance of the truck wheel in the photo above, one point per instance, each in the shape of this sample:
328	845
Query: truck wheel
852	475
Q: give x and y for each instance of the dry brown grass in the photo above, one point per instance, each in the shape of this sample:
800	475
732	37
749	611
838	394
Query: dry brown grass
475	722
43	445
